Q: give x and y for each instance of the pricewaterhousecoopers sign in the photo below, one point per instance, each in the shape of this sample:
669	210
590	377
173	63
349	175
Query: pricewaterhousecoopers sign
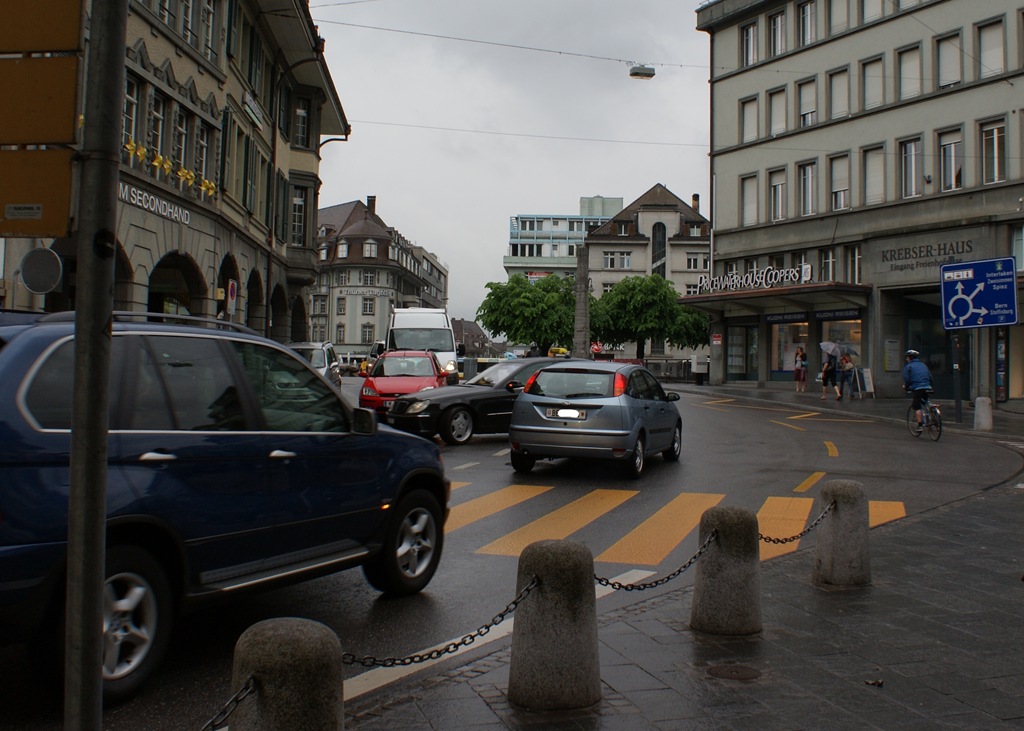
757	279
154	204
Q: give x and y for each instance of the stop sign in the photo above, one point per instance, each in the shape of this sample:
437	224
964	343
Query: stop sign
595	347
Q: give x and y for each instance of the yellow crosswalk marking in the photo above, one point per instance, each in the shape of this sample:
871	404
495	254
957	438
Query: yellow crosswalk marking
808	483
560	523
650	542
883	511
833	450
782	517
487	505
457	485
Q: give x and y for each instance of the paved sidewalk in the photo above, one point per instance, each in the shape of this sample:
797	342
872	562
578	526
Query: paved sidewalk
936	642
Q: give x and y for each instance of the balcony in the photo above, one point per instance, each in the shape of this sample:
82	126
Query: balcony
301	262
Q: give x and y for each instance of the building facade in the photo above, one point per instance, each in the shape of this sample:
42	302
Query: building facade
224	107
857	146
366	269
539	245
658	233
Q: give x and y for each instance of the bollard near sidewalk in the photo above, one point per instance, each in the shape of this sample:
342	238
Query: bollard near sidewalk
555	663
727	586
298	671
841	555
982	413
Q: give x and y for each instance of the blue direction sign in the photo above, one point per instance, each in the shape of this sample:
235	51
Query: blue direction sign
979	293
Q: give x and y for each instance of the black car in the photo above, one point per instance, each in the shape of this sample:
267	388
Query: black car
480	405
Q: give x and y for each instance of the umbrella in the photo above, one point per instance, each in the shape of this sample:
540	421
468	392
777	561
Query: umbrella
838	349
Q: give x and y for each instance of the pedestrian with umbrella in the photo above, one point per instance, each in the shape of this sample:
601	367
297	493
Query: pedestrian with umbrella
828	369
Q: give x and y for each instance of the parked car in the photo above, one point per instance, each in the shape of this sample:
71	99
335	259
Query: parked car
232	466
323	358
400	372
479	405
594	409
371	355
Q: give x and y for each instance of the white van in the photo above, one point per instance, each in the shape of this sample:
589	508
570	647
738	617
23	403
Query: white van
423	328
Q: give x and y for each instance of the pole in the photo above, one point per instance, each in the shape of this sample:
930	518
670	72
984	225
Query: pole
97	244
958	413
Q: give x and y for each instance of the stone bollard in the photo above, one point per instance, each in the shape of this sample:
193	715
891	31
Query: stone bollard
727	586
841	556
555	663
297	666
983	414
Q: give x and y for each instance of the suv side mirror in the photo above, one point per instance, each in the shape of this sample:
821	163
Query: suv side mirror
364	421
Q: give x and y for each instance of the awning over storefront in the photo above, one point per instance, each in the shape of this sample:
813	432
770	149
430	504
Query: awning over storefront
799	297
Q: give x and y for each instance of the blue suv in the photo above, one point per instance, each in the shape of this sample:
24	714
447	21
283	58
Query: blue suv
233	465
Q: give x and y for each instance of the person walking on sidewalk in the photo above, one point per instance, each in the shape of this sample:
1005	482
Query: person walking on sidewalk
845	376
828	376
800	370
917	379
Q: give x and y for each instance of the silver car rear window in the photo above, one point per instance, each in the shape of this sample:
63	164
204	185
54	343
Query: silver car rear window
573	384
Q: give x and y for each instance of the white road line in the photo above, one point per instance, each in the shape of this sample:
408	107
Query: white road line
466	466
501	453
379	677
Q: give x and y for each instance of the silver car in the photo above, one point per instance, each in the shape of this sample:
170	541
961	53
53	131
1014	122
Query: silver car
598	409
322	357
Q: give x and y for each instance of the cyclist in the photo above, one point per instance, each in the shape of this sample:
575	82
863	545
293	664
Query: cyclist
918	380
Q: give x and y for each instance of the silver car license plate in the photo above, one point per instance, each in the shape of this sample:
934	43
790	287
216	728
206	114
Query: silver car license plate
560	413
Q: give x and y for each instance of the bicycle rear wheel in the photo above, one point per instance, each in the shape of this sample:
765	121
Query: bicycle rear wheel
912	425
934	423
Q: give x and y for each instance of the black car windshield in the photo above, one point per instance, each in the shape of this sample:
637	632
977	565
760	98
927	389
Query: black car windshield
498	373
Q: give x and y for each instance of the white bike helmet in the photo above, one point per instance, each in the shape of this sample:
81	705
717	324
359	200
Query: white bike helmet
912	353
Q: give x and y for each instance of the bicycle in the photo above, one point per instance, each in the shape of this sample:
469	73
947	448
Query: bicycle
931	418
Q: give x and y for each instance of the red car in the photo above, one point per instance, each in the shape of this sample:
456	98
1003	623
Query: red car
400	372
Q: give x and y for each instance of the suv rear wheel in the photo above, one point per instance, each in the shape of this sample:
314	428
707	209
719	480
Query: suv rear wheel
412	547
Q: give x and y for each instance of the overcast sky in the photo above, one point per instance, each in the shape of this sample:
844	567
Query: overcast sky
454	137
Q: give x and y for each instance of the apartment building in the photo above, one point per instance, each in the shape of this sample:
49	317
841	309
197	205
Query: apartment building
224	107
658	233
539	245
365	269
856	147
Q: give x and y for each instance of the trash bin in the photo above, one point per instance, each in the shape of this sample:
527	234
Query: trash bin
698	378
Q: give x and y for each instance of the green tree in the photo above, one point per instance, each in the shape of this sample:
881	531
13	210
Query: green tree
639	309
541	312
